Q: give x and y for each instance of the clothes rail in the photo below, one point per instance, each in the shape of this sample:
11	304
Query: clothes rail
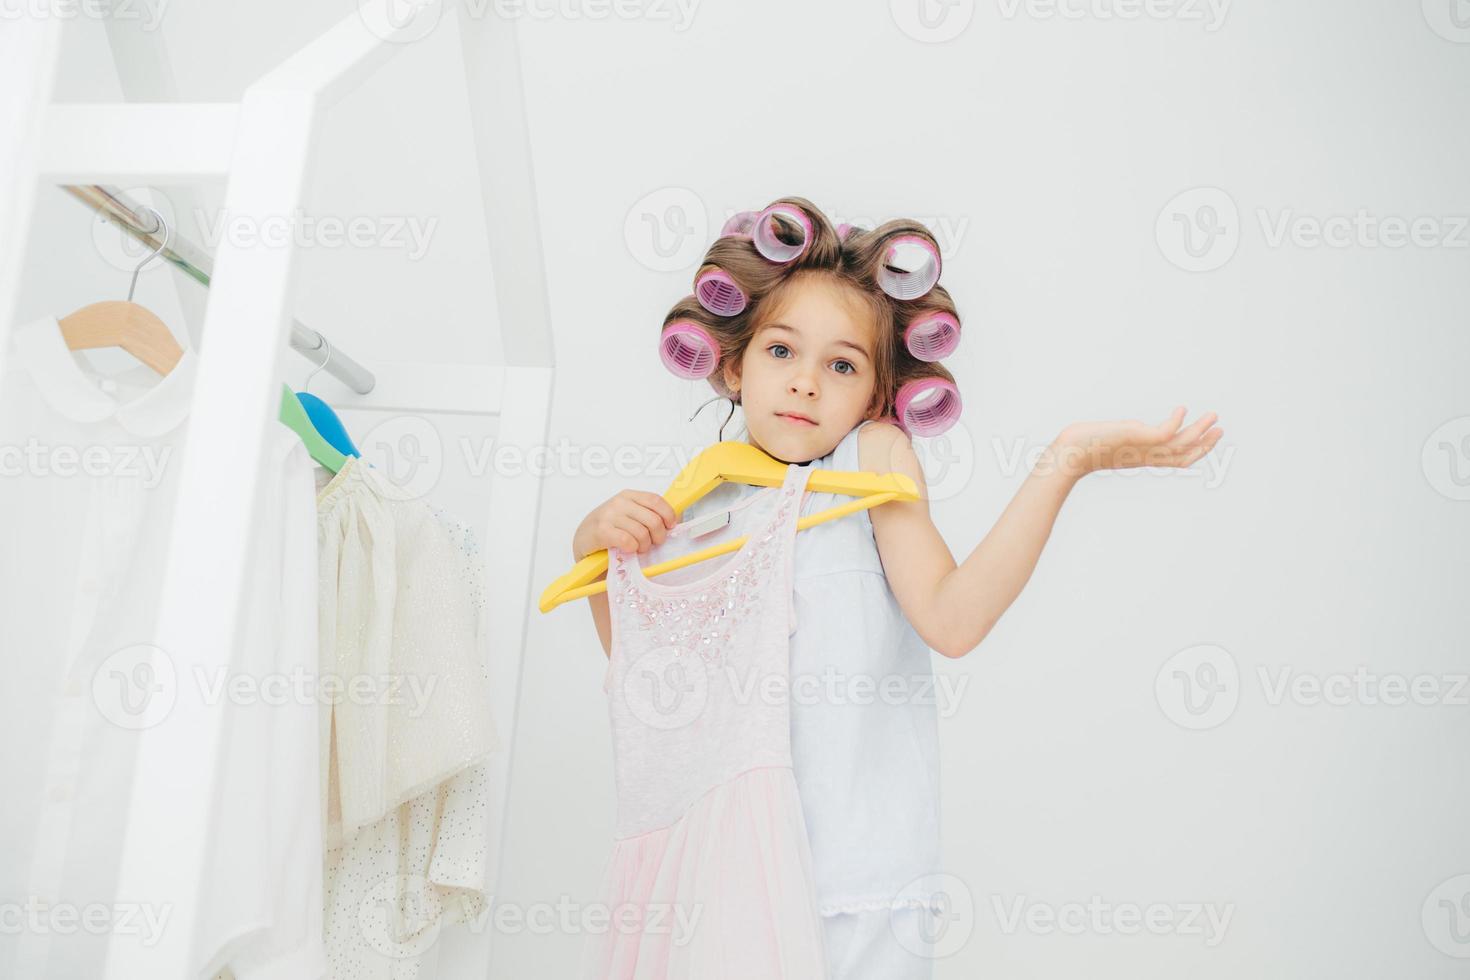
128	214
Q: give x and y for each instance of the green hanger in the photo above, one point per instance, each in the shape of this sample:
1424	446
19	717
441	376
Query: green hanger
293	414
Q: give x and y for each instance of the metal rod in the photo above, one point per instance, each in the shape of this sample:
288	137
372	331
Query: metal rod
193	261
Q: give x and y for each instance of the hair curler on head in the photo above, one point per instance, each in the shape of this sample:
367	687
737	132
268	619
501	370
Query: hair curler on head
909	267
776	229
927	406
718	293
932	336
688	350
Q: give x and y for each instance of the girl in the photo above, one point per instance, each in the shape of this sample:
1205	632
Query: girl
823	341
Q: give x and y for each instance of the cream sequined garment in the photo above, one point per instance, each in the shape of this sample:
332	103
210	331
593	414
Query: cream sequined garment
406	736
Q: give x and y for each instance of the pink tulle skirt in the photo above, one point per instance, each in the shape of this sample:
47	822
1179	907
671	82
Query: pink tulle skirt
724	892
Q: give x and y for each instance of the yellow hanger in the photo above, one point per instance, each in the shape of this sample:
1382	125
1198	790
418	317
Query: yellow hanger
735	462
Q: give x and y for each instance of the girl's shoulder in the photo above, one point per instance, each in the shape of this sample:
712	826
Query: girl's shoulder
882	447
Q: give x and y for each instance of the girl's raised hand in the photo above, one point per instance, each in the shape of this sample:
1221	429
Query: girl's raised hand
1084	447
633	520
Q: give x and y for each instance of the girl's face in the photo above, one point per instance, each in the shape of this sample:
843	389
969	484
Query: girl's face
806	377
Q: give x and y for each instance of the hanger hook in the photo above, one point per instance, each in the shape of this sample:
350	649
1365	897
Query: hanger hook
728	417
155	253
306	386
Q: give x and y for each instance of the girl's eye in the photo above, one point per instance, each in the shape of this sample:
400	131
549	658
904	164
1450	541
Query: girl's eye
782	351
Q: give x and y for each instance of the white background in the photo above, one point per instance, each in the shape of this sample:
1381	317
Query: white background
1047	147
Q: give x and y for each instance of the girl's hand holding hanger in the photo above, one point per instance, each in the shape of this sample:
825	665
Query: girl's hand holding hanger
634	520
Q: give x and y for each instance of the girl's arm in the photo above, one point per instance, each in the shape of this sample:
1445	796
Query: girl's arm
953	606
597	602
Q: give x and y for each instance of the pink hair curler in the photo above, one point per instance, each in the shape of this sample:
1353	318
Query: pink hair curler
739	224
718	293
932	336
842	230
688	350
909	268
774	225
927	407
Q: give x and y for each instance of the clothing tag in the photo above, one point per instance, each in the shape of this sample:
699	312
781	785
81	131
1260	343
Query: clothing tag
705	525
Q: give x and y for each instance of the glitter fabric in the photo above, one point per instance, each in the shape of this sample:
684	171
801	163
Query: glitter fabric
406	794
703	621
710	873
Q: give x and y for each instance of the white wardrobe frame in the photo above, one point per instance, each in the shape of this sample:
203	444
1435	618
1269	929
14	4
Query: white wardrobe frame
263	147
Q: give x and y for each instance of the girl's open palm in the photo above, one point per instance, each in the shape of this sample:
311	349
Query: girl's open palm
1127	443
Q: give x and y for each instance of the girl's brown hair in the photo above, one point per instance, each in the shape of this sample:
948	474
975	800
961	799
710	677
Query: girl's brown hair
852	264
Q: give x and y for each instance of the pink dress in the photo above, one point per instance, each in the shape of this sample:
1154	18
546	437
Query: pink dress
710	875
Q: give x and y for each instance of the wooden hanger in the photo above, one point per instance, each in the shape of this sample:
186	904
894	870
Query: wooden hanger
735	462
123	323
116	323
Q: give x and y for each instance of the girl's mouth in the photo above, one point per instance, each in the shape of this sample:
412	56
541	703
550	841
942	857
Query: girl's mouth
795	419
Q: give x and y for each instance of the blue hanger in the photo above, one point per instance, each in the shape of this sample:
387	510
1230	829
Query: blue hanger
321	415
293	415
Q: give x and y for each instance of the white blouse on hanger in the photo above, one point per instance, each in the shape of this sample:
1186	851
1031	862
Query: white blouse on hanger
89	471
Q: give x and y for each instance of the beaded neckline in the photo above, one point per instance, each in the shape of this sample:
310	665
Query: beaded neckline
704	615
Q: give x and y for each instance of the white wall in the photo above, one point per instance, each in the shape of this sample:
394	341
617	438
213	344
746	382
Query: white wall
1323	535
